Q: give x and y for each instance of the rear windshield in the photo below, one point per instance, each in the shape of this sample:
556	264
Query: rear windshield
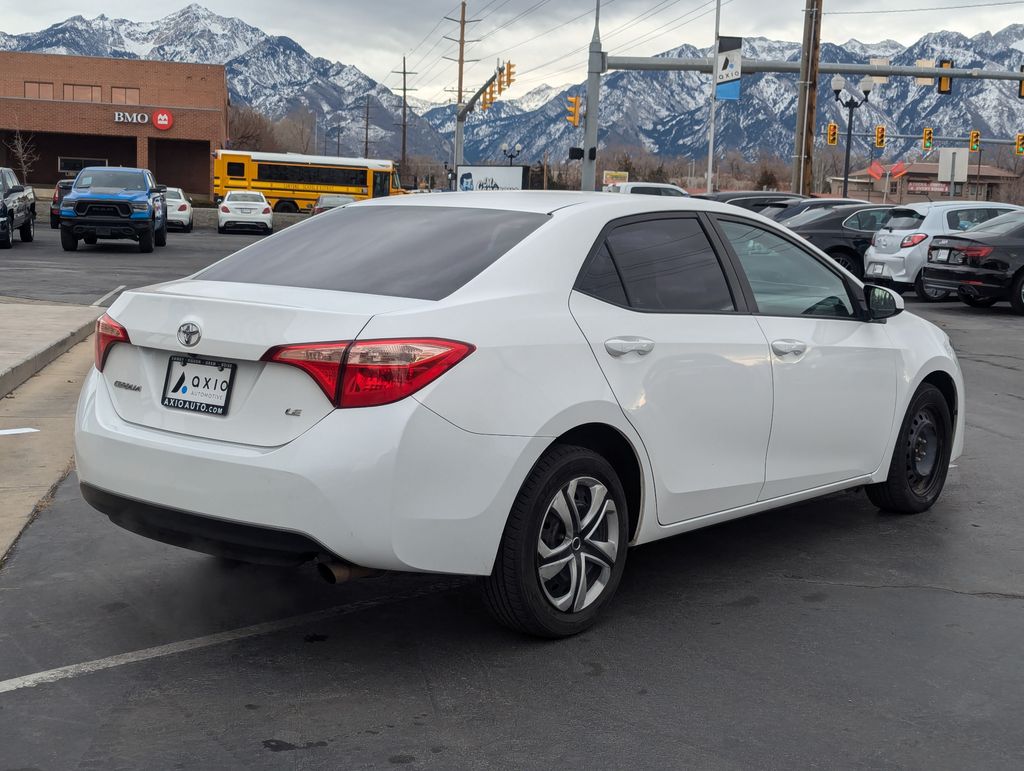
245	197
425	252
122	180
335	200
903	219
173	193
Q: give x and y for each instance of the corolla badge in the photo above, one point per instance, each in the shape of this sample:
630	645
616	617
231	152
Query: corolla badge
189	334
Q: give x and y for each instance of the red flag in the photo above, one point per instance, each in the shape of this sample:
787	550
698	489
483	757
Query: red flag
897	170
876	170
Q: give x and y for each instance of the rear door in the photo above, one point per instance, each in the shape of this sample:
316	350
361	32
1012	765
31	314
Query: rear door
834	373
688	365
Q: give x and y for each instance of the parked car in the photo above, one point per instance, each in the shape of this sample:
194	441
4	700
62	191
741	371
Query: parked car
754	200
245	210
900	248
179	209
648	188
17	209
782	211
983	266
114	202
329	201
514	385
843	233
59	191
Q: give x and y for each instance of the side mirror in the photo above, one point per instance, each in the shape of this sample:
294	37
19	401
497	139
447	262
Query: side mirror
17	189
882	303
160	189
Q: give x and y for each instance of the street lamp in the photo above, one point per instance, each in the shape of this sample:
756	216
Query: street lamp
851	104
511	153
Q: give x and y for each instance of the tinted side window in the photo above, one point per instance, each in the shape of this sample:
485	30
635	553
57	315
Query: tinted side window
646	191
786	280
964	219
602	279
236	169
869	220
669	265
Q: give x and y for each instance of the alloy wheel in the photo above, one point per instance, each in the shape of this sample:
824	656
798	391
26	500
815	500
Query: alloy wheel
578	545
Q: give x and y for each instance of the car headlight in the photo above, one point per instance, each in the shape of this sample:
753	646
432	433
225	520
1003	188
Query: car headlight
140	205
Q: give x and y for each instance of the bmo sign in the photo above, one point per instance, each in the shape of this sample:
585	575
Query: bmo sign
161	119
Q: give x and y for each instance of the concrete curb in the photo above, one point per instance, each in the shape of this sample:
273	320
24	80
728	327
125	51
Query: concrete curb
14	376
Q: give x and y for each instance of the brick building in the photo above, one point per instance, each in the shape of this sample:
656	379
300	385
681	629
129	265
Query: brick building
88	111
921	183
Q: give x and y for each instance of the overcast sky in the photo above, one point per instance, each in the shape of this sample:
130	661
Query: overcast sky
374	35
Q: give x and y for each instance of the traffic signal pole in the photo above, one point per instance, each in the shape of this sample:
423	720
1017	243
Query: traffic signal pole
595	66
851	105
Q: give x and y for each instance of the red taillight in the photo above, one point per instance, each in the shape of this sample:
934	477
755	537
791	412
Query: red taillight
108	332
266	210
225	209
55	197
183	207
372	372
975	253
913	240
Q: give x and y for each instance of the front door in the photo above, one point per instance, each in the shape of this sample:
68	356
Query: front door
688	366
834	372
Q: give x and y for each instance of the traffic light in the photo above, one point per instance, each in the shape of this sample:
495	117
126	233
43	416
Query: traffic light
499	78
927	138
832	136
485	99
572	109
974	144
510	74
879	136
945	85
1019	149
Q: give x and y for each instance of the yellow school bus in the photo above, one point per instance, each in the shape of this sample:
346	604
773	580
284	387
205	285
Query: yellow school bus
292	182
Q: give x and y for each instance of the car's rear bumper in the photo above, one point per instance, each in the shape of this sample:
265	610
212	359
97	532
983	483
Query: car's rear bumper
105	228
898	268
393	487
968	281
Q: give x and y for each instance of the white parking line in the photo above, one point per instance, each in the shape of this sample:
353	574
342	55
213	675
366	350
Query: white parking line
13	431
109	294
268	627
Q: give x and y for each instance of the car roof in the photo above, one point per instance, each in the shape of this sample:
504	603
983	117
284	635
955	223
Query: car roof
926	206
551	201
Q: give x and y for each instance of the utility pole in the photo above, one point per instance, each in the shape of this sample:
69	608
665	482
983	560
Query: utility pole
405	106
807	101
462	21
366	132
714	81
595	66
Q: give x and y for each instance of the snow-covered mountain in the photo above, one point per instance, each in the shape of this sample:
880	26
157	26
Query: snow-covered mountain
664	112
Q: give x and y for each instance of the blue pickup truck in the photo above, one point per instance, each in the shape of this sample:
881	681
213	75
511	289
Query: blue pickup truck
114	202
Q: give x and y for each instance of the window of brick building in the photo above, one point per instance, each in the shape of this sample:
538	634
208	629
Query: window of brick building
119	95
37	90
78	93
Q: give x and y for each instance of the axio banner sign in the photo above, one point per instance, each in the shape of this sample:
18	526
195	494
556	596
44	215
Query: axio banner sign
728	68
493	177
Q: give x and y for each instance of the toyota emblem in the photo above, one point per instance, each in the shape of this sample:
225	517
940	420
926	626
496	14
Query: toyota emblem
189	334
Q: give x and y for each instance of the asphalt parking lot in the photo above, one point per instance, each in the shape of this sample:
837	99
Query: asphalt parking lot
821	635
40	270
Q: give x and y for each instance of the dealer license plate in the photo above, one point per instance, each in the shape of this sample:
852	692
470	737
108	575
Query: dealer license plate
246	211
939	255
198	385
876	268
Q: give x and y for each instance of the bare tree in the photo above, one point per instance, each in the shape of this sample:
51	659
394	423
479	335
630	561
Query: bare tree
23	153
296	132
250	130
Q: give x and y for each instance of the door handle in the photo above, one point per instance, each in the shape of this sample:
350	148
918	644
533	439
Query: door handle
620	346
789	347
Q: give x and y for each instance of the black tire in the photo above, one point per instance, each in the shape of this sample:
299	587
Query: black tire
146	240
1017	294
188	227
269	231
286	207
68	242
515	593
937	296
7	237
160	237
27	231
850	262
920	461
978	302
90	240
54	222
221	230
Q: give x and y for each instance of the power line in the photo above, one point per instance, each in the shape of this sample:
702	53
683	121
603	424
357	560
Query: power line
424	40
918	10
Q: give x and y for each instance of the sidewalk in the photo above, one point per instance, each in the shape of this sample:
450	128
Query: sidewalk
36	333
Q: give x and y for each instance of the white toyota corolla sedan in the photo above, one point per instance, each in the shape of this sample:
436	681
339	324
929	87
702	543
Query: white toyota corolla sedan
520	386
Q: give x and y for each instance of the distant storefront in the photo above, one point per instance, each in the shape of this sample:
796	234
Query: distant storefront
87	111
921	183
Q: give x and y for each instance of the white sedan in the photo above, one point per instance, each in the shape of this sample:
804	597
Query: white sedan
245	210
520	386
179	209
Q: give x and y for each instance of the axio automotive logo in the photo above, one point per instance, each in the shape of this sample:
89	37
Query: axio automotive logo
163	119
189	334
